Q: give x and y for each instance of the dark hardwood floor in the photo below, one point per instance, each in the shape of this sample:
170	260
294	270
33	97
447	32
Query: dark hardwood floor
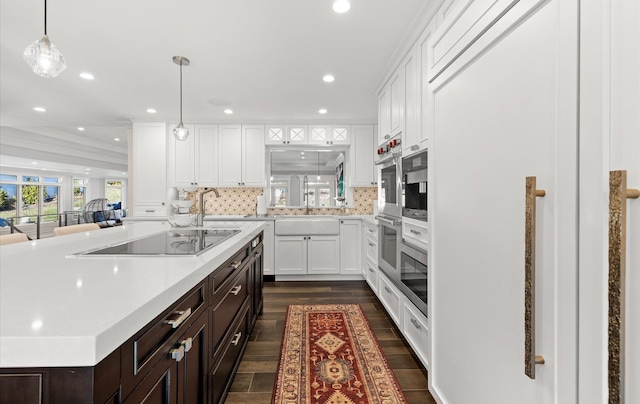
254	381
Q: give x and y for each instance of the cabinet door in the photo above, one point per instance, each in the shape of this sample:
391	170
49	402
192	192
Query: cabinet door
192	368
291	255
268	250
411	133
159	387
182	153
609	141
297	134
275	134
340	134
396	97
149	163
504	112
230	155
350	247
206	152
320	134
253	150
384	115
323	254
425	101
362	153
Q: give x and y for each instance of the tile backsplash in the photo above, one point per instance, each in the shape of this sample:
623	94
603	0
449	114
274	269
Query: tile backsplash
242	201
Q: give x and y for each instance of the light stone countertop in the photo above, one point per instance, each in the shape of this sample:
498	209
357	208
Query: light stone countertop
60	310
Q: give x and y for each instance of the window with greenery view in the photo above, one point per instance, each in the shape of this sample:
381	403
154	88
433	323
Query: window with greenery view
79	193
37	196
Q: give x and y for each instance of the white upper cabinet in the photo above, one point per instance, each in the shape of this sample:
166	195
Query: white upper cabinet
149	171
361	153
194	161
410	73
241	155
286	134
328	135
253	155
391	107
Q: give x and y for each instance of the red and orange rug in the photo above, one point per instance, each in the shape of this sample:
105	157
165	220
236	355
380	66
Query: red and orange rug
330	356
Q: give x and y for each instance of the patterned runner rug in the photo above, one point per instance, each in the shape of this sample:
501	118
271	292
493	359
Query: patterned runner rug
330	356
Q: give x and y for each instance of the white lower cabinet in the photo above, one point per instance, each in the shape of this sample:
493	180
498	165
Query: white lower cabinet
300	255
416	233
415	330
391	298
371	275
350	252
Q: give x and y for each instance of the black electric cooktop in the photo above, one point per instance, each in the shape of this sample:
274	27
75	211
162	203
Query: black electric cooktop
171	243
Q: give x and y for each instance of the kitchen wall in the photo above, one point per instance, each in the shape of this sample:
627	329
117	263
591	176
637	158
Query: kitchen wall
242	201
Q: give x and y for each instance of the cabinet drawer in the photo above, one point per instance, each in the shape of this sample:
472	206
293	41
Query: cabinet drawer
229	269
157	210
229	301
415	233
149	345
372	249
371	230
416	331
372	277
390	298
229	357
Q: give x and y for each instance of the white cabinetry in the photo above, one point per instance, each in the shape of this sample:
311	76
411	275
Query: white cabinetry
329	134
363	141
410	73
415	232
384	115
300	255
149	171
415	330
503	112
350	247
241	155
391	107
286	134
193	161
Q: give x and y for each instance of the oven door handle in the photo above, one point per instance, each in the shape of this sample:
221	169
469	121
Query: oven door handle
389	221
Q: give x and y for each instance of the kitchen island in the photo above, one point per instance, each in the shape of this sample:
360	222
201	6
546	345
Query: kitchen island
65	317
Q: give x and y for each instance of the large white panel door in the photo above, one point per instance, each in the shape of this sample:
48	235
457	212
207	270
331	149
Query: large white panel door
182	159
506	110
609	141
362	153
206	153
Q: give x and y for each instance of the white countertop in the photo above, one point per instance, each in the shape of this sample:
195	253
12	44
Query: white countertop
61	311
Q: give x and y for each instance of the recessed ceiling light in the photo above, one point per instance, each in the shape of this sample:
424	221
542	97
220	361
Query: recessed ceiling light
87	76
302	157
117	139
39	109
302	153
124	173
88	169
80	128
228	111
34	162
328	78
322	111
151	110
341	6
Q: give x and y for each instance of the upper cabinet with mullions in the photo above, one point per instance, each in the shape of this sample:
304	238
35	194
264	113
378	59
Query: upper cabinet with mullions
329	134
286	134
326	135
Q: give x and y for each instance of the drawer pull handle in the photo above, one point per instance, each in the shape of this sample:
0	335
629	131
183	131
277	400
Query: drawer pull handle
177	353
386	288
415	323
415	231
257	255
236	338
187	344
149	211
372	245
236	264
371	270
182	315
236	289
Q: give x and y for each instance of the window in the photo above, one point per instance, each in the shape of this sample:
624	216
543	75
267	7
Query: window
114	192
37	196
79	193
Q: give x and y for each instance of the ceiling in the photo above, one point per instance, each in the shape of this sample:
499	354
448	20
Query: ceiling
263	59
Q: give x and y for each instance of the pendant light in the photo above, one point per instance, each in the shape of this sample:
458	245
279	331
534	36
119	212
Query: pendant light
180	132
43	57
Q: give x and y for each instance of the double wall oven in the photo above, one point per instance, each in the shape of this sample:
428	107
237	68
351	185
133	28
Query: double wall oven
402	194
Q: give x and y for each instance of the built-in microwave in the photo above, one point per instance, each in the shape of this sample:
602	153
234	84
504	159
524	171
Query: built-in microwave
414	186
414	276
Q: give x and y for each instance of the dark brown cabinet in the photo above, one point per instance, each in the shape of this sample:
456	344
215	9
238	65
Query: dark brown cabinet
188	354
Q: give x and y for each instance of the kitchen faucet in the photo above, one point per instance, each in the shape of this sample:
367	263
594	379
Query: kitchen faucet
200	221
